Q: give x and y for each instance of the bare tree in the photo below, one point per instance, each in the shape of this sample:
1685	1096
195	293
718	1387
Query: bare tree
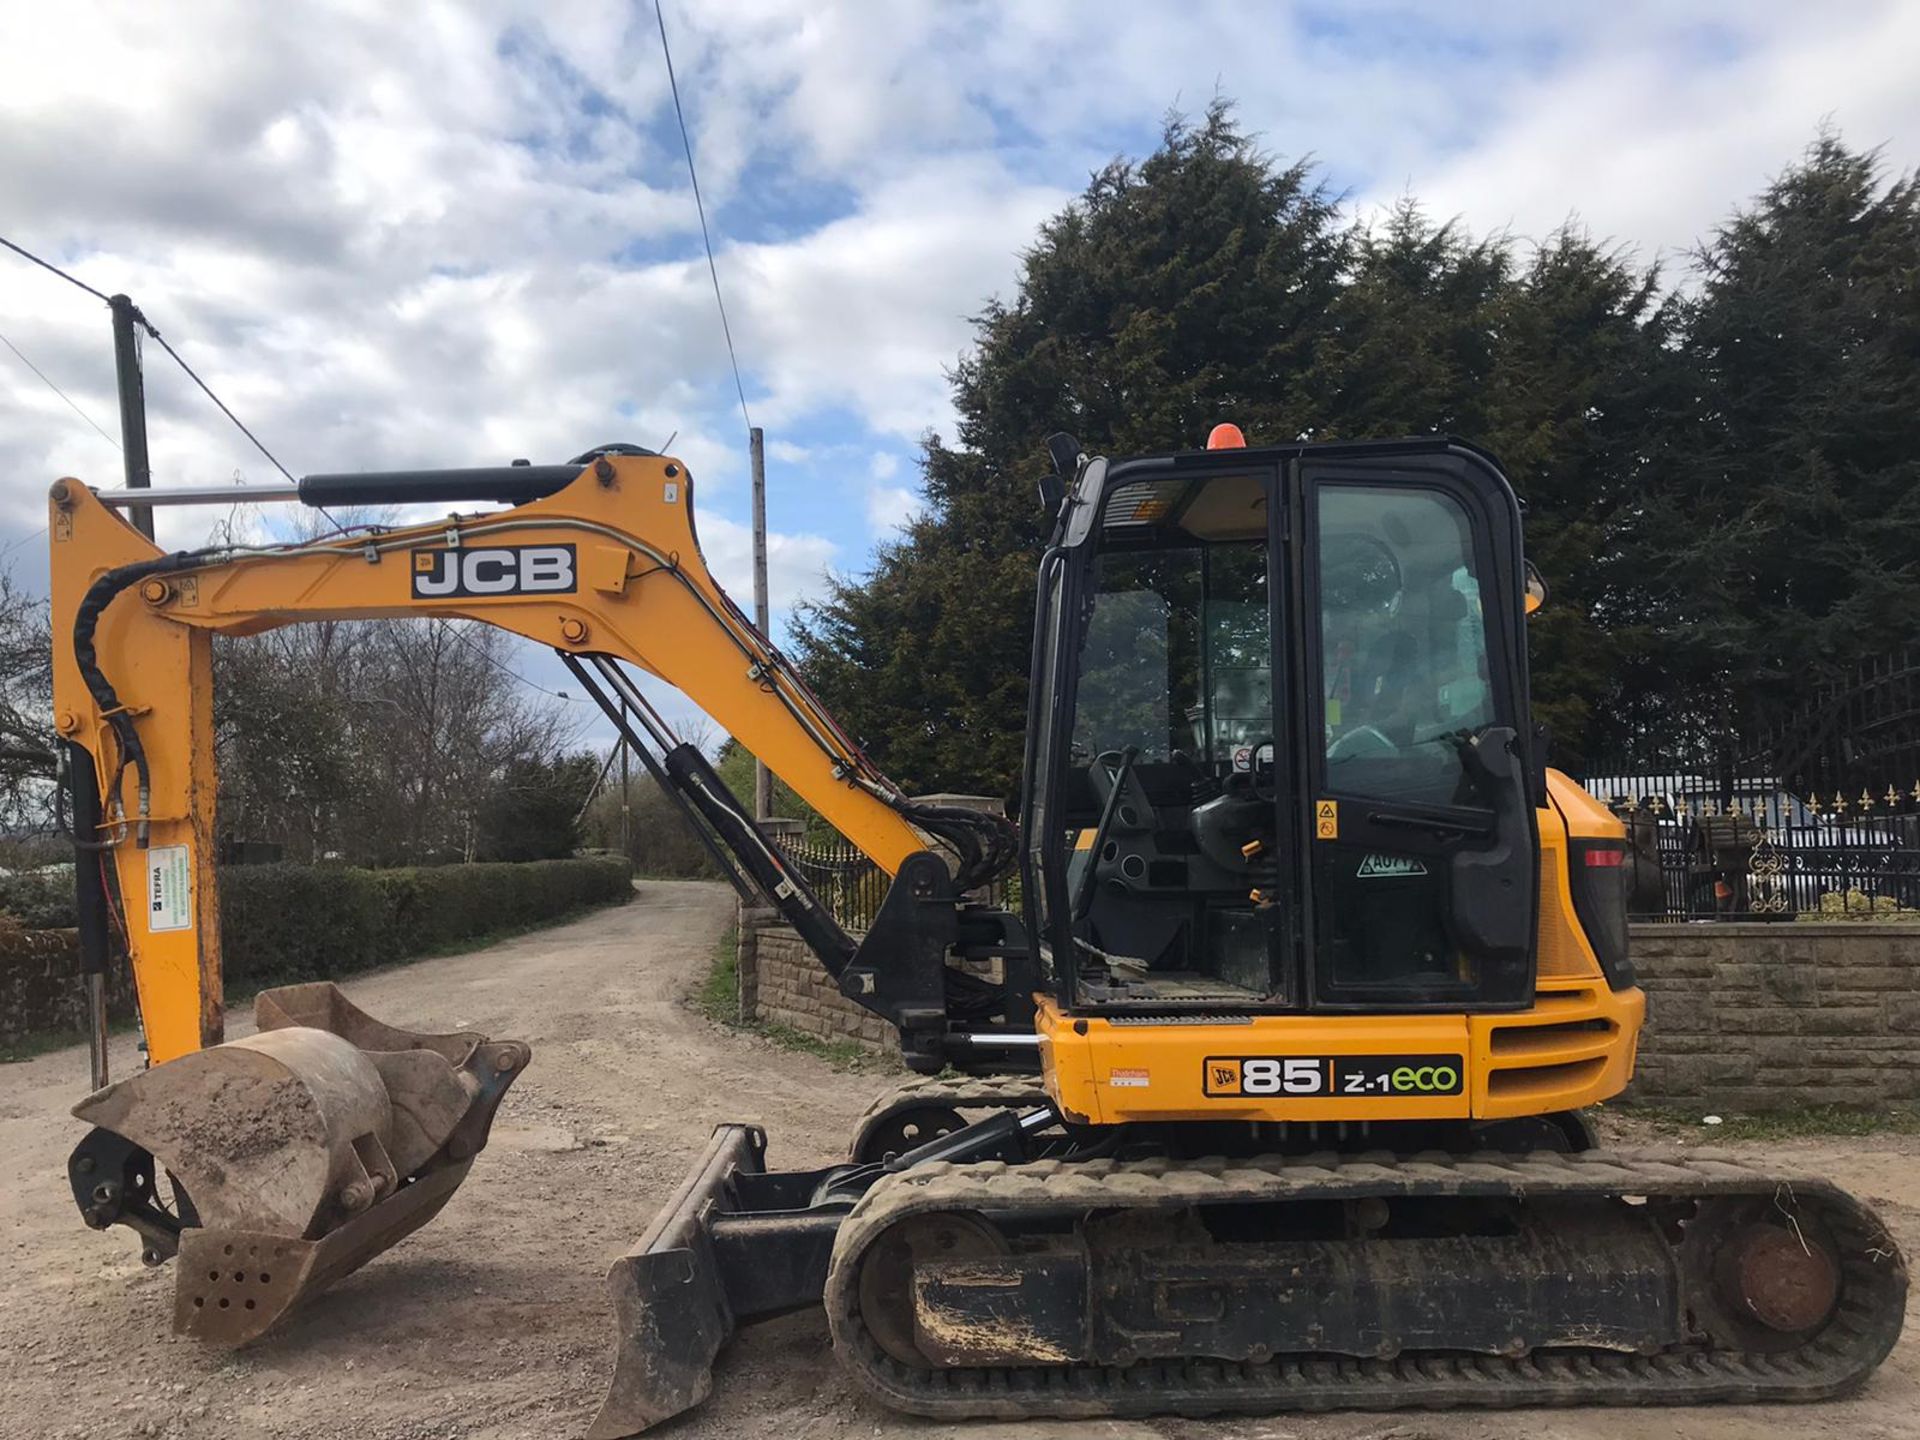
695	730
380	741
27	757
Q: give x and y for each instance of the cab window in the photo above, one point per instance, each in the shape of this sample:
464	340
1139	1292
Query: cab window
1403	645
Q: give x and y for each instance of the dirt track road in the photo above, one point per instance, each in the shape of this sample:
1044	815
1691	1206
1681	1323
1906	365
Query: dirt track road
491	1322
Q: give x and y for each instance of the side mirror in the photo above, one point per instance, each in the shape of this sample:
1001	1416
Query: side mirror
1536	588
1064	451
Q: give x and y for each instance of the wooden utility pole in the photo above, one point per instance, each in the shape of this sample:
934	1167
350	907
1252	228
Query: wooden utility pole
762	617
626	804
133	406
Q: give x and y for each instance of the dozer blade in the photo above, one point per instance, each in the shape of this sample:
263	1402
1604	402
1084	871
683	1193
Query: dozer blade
733	1244
297	1154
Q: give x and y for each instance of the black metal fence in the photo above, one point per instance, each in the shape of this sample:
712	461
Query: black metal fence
1707	848
849	884
1860	730
1703	849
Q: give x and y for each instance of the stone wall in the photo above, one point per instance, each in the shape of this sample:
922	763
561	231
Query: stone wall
1741	1017
40	988
783	983
1767	1017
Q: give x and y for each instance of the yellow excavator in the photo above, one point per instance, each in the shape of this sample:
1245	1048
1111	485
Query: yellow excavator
1268	1095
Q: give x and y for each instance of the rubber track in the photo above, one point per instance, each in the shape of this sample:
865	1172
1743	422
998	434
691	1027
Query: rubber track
1862	1333
960	1092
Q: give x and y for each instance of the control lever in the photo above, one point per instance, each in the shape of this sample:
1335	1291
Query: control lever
1083	896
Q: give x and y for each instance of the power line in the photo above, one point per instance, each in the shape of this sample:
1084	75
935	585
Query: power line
48	265
58	391
23	540
701	209
160	340
511	674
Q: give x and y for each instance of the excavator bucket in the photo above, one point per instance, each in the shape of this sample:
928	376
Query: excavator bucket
296	1154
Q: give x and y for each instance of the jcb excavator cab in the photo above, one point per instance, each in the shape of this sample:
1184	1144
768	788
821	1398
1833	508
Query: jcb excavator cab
1282	774
1283	777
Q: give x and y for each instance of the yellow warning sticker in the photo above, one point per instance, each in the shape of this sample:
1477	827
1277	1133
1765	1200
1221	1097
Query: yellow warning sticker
1326	820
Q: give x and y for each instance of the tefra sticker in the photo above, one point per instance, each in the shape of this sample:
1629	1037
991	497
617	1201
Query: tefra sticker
1326	820
169	888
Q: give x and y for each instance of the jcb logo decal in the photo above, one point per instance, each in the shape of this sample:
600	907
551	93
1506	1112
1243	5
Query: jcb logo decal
503	570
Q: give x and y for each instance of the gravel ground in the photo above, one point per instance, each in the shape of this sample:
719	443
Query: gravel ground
491	1323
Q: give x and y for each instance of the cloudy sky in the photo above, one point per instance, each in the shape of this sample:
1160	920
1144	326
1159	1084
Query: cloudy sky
457	234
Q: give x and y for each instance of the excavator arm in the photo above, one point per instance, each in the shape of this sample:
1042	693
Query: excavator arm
326	1137
607	568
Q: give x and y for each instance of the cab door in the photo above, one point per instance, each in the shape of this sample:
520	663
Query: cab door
1418	844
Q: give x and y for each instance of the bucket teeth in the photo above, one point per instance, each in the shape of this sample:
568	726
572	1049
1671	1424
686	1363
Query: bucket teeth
304	1150
235	1285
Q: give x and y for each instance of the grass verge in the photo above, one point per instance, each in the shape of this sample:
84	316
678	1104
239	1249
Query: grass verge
1803	1122
39	1042
717	996
842	1054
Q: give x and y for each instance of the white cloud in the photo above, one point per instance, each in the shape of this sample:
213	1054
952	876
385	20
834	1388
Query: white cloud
460	233
868	312
1651	143
796	564
891	508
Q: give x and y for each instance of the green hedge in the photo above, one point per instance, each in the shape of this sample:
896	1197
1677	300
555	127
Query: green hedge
39	899
280	923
